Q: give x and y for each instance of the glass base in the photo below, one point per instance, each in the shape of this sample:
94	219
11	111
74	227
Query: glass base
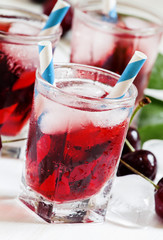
88	210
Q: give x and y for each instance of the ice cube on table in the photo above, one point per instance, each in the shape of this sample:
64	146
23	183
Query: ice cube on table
132	202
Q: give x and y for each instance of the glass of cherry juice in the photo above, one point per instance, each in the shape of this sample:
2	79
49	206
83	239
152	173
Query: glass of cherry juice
75	139
98	41
19	36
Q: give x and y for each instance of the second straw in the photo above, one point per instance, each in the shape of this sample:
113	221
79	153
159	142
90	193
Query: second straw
46	61
128	75
55	18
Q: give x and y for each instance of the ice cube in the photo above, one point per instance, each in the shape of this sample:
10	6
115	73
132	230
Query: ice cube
90	46
136	23
64	119
86	88
109	118
25	56
23	29
102	46
58	118
132	202
54	120
38	105
81	45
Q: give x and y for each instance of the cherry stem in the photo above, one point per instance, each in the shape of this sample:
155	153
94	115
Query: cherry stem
14	140
138	173
145	101
129	145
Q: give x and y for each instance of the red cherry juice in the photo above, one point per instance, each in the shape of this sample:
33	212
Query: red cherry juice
76	157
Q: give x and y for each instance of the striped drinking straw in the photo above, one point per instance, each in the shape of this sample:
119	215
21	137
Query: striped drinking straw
45	47
46	61
128	75
109	9
55	18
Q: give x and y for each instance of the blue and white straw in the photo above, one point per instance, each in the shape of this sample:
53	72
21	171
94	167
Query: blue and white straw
46	61
109	9
55	18
128	75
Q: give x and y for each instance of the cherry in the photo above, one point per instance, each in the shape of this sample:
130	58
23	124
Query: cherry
159	198
134	139
142	160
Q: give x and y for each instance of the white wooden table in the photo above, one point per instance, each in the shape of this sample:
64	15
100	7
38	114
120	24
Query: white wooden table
17	222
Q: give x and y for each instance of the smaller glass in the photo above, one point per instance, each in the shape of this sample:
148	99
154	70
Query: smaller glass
74	144
110	45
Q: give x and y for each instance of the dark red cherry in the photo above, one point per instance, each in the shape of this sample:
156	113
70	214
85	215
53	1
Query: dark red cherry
159	199
134	139
142	160
48	6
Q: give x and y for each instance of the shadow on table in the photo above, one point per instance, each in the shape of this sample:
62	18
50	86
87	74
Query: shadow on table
11	210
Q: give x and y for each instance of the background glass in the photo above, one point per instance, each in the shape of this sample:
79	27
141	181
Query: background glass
108	45
19	58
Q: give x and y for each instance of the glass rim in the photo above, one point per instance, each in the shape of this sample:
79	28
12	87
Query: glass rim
112	28
30	39
113	101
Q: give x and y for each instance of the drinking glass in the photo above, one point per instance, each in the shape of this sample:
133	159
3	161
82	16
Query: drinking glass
19	36
75	139
109	45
